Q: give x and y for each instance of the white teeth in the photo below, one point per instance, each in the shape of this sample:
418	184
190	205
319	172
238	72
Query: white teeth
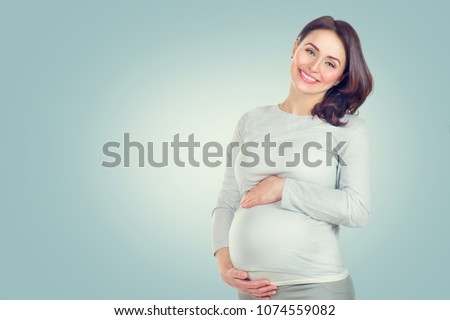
307	77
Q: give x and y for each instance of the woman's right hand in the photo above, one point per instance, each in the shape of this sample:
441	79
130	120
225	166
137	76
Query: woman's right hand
238	279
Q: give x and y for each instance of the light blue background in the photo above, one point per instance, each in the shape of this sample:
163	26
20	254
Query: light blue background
75	75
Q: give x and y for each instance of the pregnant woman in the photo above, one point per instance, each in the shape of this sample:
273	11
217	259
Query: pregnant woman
300	172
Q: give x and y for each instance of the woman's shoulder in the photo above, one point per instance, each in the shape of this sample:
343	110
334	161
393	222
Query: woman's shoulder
258	112
353	121
356	125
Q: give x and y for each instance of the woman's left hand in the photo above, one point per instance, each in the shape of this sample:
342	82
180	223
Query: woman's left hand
266	191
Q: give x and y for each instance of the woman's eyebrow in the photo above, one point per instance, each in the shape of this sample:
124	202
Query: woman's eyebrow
319	51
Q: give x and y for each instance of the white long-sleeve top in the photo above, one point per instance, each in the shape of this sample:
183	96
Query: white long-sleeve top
295	240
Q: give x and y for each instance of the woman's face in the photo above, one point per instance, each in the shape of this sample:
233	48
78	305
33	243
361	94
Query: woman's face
318	62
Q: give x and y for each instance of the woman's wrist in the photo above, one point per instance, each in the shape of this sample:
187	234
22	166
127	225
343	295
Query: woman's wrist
223	260
281	188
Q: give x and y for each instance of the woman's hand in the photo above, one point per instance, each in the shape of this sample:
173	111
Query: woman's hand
266	191
238	279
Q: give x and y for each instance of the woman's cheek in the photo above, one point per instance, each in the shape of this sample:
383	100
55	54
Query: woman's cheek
331	78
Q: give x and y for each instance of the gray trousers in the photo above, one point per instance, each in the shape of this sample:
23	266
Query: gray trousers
335	290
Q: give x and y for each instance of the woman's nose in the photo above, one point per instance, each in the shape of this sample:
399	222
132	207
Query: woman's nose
314	65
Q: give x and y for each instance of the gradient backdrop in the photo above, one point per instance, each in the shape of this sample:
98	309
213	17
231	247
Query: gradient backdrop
77	74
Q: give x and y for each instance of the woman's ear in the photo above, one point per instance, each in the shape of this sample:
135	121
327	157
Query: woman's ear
294	48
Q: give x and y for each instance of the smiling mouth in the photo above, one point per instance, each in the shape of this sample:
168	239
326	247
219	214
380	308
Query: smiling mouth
307	78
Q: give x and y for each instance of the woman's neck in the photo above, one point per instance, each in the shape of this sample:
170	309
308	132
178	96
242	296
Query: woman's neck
299	103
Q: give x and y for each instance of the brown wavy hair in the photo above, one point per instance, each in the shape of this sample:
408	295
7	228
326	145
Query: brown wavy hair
353	89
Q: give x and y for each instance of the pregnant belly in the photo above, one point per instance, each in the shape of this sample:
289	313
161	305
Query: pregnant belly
269	238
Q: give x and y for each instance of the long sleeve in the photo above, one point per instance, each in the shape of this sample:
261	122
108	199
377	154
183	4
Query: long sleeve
229	196
349	204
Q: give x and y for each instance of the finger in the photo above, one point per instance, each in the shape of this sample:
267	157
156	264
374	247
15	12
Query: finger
249	203
253	284
271	293
263	288
238	274
264	291
257	294
246	197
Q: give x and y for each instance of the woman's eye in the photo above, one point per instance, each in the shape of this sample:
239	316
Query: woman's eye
330	64
310	52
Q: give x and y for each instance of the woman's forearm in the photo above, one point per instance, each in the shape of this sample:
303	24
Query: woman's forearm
223	259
